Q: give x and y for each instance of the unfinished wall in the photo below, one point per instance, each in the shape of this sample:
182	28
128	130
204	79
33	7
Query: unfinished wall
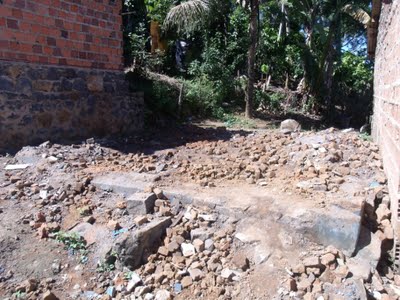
61	72
386	121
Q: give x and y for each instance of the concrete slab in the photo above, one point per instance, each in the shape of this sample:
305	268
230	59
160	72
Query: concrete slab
124	183
338	225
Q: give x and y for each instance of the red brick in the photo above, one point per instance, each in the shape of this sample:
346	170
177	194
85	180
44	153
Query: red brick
12	24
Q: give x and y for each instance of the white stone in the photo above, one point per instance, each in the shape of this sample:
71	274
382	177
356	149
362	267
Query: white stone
16	167
209	218
227	273
43	194
52	159
290	125
187	249
133	282
163	295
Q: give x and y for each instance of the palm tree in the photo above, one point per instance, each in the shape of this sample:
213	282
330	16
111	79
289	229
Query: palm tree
188	15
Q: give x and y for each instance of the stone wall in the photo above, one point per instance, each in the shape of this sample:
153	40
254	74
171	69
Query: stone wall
386	120
39	102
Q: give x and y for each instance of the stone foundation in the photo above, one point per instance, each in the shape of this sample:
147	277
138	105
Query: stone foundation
39	103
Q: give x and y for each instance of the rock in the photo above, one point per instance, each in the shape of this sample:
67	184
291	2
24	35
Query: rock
397	280
133	282
187	249
111	291
359	269
148	296
48	295
113	225
56	267
28	286
289	126
209	245
130	246
291	285
299	269
303	284
141	203
140	220
196	274
173	247
377	283
163	251
349	289
200	233
382	213
163	295
186	281
342	271
328	259
240	261
159	193
227	274
313	262
198	245
208	218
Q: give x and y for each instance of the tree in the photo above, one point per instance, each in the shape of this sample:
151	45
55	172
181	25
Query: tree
253	32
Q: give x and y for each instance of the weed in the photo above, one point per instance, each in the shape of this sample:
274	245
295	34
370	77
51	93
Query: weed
128	275
233	121
19	295
73	242
366	137
104	266
108	264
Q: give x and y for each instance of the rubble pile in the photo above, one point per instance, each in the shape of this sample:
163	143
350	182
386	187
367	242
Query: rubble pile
87	240
329	275
319	162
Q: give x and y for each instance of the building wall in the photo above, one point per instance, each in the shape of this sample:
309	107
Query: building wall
386	120
61	72
63	32
42	102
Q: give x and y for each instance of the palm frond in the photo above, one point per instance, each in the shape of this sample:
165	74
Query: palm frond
187	15
357	14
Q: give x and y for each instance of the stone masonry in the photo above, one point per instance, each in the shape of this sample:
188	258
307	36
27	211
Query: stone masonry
386	121
61	72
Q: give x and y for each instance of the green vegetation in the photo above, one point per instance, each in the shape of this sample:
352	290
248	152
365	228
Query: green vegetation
73	242
268	55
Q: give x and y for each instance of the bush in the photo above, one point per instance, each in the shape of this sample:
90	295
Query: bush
269	101
203	97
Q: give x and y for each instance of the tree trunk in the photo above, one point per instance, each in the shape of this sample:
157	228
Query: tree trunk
254	6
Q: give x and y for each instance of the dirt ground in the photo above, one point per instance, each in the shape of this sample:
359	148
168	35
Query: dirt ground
240	214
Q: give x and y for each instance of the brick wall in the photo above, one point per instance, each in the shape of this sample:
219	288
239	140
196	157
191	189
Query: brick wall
386	120
62	32
61	72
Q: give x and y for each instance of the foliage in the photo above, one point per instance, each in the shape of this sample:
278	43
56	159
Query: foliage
73	242
187	16
108	264
157	9
314	47
203	97
366	137
269	101
231	120
354	74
